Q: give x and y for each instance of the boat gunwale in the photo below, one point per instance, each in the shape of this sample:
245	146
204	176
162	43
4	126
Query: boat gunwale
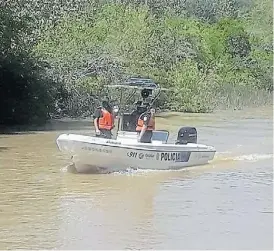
141	148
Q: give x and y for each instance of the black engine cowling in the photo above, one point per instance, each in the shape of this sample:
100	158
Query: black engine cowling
186	135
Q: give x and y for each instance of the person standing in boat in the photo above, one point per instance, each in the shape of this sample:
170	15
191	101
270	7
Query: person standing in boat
103	120
146	125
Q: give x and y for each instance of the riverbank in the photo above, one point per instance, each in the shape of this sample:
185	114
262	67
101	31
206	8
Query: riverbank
166	120
61	62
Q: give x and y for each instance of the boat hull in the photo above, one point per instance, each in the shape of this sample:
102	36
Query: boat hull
91	154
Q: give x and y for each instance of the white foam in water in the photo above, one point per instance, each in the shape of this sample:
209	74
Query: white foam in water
225	152
254	157
64	169
131	171
68	169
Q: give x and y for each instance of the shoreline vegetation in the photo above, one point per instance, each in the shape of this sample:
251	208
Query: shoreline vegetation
57	57
165	120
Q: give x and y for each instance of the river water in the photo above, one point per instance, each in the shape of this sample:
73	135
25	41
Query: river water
227	204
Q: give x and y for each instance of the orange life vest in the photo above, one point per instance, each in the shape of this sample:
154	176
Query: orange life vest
150	125
107	121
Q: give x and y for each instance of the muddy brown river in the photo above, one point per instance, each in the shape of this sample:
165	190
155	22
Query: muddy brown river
227	204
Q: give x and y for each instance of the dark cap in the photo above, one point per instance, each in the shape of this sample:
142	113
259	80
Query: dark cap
105	103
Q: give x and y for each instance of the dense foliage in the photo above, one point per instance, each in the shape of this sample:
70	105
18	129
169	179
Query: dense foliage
58	55
26	92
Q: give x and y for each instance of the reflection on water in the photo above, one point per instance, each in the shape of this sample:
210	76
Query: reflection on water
226	204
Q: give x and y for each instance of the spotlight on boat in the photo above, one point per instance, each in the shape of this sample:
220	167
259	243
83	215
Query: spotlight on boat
115	109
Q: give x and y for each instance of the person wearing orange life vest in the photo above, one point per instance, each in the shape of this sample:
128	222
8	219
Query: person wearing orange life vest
103	120
146	125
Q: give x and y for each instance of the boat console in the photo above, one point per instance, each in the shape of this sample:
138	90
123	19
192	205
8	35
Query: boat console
127	121
127	129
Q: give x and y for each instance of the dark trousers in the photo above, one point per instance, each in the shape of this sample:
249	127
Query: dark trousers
146	137
105	134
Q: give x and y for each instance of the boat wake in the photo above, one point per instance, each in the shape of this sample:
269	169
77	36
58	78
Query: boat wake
131	171
254	157
221	157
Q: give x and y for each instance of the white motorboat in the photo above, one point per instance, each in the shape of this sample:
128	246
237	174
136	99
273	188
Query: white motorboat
94	154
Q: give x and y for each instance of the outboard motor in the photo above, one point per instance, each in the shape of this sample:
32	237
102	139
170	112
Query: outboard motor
186	135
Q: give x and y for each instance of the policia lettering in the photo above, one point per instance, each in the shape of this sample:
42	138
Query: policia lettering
175	156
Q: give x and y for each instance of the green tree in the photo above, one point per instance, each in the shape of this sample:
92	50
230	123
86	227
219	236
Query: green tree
26	94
